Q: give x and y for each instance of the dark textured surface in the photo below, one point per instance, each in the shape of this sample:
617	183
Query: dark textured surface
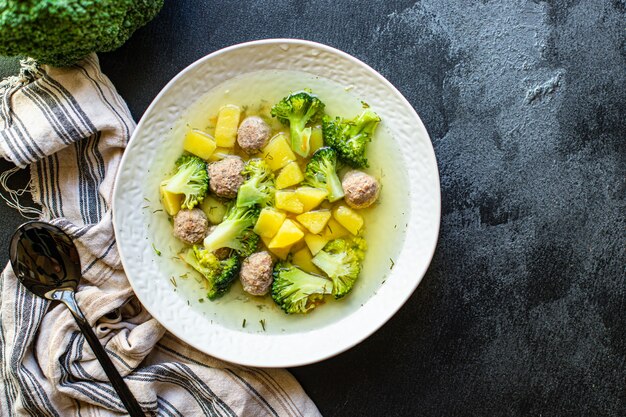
522	310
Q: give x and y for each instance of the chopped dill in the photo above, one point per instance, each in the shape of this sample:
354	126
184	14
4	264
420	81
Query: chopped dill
145	207
201	300
173	281
262	321
185	275
157	210
365	105
243	323
146	199
392	264
158	252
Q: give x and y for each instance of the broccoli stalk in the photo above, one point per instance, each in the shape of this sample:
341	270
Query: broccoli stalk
191	179
321	172
296	110
350	137
218	274
61	32
341	260
296	291
258	189
235	231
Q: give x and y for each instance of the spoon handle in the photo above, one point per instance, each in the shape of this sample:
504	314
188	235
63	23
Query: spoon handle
127	397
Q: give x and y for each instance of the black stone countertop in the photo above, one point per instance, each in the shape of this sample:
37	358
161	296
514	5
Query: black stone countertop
522	312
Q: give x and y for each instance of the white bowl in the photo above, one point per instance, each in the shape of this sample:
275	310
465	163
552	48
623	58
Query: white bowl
302	339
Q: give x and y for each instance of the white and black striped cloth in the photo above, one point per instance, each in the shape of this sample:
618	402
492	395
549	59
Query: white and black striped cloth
70	126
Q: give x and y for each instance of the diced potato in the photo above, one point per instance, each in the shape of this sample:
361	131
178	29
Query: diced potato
348	218
288	234
214	209
314	221
171	202
311	197
288	201
227	124
297	246
280	253
303	259
334	230
289	175
199	143
315	243
220	153
269	222
277	153
317	139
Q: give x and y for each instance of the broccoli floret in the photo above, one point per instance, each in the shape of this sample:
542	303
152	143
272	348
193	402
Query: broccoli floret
298	109
321	172
341	260
219	274
350	137
235	231
296	291
258	188
61	32
191	179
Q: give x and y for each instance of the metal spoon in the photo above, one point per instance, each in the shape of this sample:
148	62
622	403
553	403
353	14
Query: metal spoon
46	262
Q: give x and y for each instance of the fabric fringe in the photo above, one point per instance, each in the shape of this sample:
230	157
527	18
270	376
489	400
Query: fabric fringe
12	197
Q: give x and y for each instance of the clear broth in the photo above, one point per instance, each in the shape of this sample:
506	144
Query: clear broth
385	222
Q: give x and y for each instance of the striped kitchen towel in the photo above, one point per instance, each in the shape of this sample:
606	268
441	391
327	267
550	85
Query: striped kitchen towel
70	127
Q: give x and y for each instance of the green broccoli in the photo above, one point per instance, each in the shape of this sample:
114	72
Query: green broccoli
258	188
296	291
298	109
350	137
321	172
235	231
61	32
219	274
341	260
191	179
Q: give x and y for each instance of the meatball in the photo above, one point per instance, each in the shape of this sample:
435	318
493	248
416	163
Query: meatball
361	189
256	273
225	176
190	226
253	134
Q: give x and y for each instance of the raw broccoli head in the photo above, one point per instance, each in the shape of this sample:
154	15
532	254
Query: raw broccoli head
350	137
296	291
341	260
61	32
235	231
296	110
258	188
321	172
191	179
218	274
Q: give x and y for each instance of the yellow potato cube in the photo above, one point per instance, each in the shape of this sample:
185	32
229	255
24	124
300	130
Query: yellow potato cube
171	202
314	221
311	197
303	259
199	143
288	201
289	175
348	218
317	139
277	153
280	253
269	222
334	230
315	243
288	234
226	127
214	209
